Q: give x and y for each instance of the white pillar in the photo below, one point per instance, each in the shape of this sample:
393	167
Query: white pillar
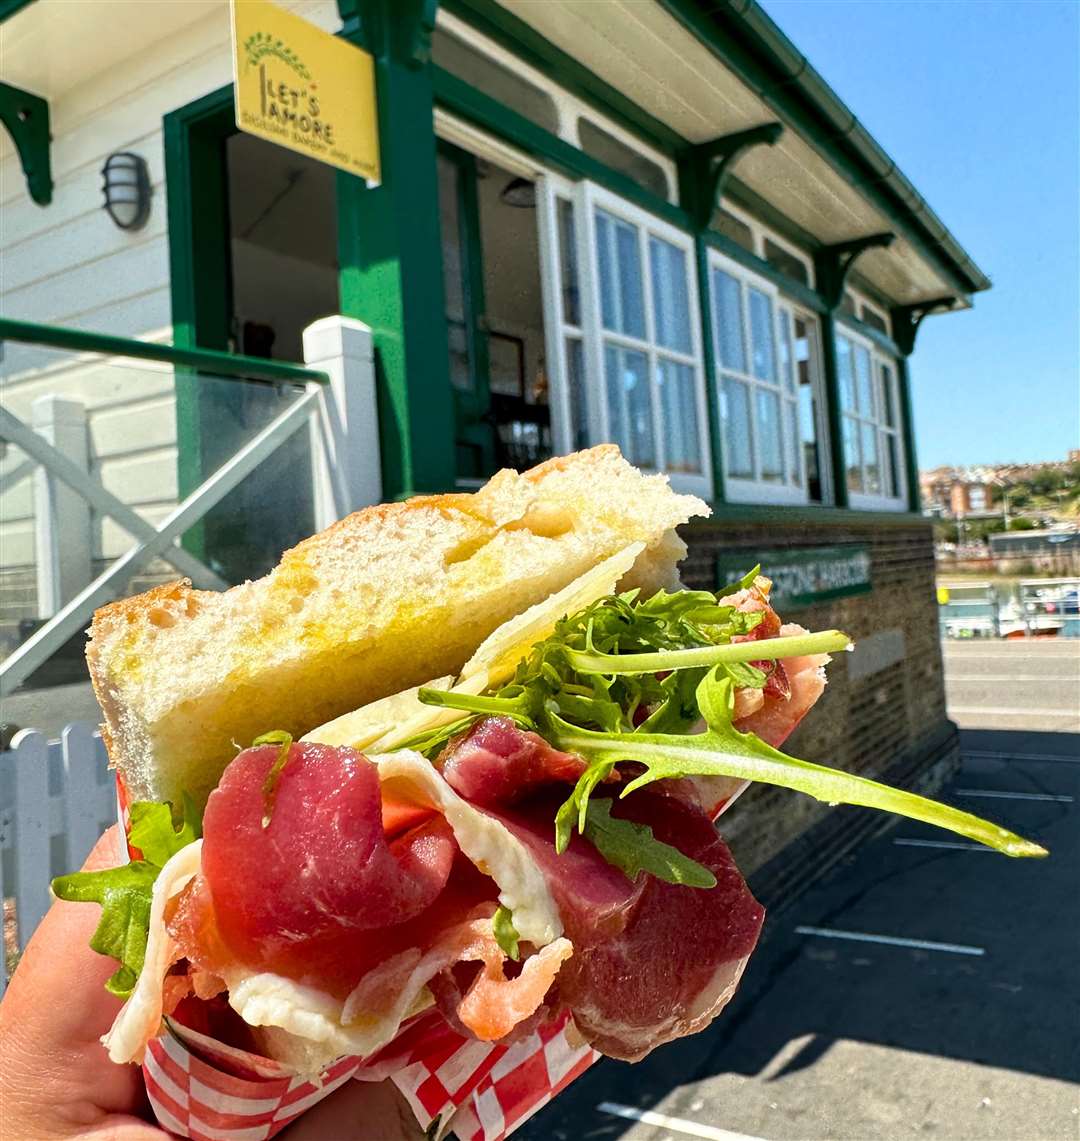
345	435
61	515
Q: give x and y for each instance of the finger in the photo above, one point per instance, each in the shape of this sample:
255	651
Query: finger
359	1111
56	1010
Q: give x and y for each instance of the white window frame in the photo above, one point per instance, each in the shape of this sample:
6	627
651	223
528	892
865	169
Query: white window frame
738	489
586	198
820	401
863	500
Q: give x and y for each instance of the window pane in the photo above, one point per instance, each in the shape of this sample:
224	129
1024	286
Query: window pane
862	382
786	263
613	152
678	400
501	83
575	384
806	365
630	285
787	361
871	468
886	395
621	303
791	435
671	302
629	409
735	411
453	275
571	295
770	452
727	312
893	475
845	369
761	335
851	454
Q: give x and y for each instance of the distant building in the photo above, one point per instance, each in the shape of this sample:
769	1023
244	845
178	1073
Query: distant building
945	493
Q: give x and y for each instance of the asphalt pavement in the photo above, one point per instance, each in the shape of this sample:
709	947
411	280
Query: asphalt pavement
924	987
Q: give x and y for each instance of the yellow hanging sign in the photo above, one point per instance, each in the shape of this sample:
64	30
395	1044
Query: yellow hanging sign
304	88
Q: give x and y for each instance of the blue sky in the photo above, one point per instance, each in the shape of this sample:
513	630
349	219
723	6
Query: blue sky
977	101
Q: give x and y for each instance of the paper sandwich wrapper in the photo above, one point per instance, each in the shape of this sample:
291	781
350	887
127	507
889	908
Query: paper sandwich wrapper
207	1090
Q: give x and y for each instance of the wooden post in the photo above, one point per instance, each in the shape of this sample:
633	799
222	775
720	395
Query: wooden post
61	515
345	431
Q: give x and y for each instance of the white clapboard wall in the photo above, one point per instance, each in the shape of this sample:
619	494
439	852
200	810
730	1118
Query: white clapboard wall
56	798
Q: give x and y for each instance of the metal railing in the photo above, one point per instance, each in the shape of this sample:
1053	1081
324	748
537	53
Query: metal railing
64	521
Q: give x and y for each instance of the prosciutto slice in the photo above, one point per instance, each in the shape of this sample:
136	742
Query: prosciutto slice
792	685
498	763
322	859
652	961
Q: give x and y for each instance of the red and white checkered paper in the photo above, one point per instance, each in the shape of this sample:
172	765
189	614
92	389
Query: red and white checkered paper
481	1091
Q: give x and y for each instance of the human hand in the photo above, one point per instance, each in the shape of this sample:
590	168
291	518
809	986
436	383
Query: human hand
56	1080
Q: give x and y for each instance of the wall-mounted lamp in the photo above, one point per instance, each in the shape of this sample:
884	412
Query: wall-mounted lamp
127	190
519	192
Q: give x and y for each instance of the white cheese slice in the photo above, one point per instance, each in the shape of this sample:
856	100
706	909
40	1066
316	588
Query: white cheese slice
491	846
140	1017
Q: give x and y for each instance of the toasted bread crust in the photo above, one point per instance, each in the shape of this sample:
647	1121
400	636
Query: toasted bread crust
390	596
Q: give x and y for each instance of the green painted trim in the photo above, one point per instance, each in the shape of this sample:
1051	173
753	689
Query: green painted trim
9	8
748	43
491	19
780	516
464	101
211	364
26	117
198	268
831	379
795	290
712	164
390	257
712	382
911	461
833	263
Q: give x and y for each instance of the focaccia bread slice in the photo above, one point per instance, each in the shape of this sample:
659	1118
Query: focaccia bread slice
388	597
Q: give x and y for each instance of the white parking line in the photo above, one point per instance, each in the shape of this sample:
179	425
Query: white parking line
956	845
675	1124
1016	711
989	755
993	794
951	677
891	940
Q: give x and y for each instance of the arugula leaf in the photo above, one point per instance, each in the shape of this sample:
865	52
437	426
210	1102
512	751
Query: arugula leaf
723	751
767	649
152	831
269	789
633	849
125	893
502	924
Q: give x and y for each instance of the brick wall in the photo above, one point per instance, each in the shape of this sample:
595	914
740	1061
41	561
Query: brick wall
883	711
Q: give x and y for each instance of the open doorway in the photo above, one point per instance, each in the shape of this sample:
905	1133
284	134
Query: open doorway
281	273
495	318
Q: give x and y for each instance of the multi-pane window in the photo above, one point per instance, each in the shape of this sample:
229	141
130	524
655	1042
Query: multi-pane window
763	367
869	403
628	339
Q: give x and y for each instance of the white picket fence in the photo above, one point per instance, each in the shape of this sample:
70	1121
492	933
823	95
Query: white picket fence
56	798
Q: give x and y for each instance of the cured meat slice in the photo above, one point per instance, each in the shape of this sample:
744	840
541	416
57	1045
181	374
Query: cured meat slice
777	715
497	763
321	864
681	951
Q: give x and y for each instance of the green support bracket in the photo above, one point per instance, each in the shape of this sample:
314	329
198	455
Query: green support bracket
26	117
832	264
402	32
906	320
708	166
